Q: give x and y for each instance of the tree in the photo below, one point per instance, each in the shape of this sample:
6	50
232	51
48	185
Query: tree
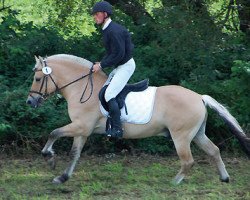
133	9
244	15
3	6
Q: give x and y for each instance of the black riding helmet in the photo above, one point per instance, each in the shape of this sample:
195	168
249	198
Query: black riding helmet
102	6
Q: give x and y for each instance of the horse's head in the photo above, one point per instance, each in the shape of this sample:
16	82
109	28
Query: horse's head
42	85
57	72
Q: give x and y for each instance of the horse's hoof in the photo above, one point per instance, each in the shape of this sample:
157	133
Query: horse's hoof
60	179
56	180
47	154
174	183
177	180
225	180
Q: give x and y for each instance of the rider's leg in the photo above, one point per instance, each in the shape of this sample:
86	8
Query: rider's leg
120	78
115	114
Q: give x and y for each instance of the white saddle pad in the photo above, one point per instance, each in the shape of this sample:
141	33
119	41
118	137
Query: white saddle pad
139	106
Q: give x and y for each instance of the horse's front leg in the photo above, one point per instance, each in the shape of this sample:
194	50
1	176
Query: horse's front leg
80	132
48	152
70	130
75	154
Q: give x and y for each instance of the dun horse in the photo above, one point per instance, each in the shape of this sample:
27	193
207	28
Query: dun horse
177	111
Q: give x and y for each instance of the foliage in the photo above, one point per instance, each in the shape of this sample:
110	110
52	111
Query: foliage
69	17
19	43
24	125
238	90
155	145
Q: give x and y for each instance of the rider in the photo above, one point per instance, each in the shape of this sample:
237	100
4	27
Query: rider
119	48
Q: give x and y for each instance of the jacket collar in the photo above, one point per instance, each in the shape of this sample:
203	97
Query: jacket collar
106	24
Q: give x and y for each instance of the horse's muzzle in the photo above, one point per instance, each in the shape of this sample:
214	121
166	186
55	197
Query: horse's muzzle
34	102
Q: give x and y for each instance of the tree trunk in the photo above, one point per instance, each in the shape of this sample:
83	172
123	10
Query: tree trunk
244	15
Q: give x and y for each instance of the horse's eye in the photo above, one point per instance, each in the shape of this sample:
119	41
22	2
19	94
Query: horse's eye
37	79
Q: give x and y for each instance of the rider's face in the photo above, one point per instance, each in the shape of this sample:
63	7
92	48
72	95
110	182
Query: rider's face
99	17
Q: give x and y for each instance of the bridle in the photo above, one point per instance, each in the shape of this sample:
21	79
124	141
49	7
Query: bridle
45	78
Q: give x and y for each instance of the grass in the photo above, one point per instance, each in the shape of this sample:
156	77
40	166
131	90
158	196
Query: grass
122	177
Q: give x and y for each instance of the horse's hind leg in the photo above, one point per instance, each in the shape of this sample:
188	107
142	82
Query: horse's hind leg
212	150
75	154
184	152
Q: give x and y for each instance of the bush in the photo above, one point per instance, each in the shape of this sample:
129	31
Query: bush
179	47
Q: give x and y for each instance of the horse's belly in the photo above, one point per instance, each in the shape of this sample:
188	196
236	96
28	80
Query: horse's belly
156	126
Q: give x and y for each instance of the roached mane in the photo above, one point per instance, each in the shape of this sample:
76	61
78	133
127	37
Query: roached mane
79	60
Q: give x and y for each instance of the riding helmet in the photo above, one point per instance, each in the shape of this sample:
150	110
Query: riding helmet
102	6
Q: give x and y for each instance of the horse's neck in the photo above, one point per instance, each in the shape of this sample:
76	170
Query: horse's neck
74	91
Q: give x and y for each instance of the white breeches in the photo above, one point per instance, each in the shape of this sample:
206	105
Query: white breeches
118	78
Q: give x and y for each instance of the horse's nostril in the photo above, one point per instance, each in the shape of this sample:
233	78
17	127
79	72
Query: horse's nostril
40	100
28	102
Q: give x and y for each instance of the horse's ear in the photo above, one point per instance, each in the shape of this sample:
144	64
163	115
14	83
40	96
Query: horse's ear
37	60
41	61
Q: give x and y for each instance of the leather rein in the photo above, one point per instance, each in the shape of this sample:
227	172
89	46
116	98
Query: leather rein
45	95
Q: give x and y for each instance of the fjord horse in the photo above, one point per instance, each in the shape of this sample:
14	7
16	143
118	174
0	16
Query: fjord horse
178	112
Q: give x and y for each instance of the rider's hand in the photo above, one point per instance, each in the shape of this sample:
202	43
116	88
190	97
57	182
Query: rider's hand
96	67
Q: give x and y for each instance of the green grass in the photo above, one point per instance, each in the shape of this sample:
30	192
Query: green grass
122	177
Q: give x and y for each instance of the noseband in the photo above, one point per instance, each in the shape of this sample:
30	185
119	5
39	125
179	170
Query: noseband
45	95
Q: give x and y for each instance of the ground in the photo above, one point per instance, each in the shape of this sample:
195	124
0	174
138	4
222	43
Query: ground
112	176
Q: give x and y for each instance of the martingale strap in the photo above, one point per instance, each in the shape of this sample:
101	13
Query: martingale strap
90	79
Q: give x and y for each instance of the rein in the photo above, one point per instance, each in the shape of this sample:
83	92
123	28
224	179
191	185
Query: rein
45	95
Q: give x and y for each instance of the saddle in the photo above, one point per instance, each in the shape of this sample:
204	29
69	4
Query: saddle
120	98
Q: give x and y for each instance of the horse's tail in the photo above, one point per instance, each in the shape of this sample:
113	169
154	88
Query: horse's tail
230	121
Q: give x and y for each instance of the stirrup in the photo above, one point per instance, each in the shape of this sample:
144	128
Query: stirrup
117	133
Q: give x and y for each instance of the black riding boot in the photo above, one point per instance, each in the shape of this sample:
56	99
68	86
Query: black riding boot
115	114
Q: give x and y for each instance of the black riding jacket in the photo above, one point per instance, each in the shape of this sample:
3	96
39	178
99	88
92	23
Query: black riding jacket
118	45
